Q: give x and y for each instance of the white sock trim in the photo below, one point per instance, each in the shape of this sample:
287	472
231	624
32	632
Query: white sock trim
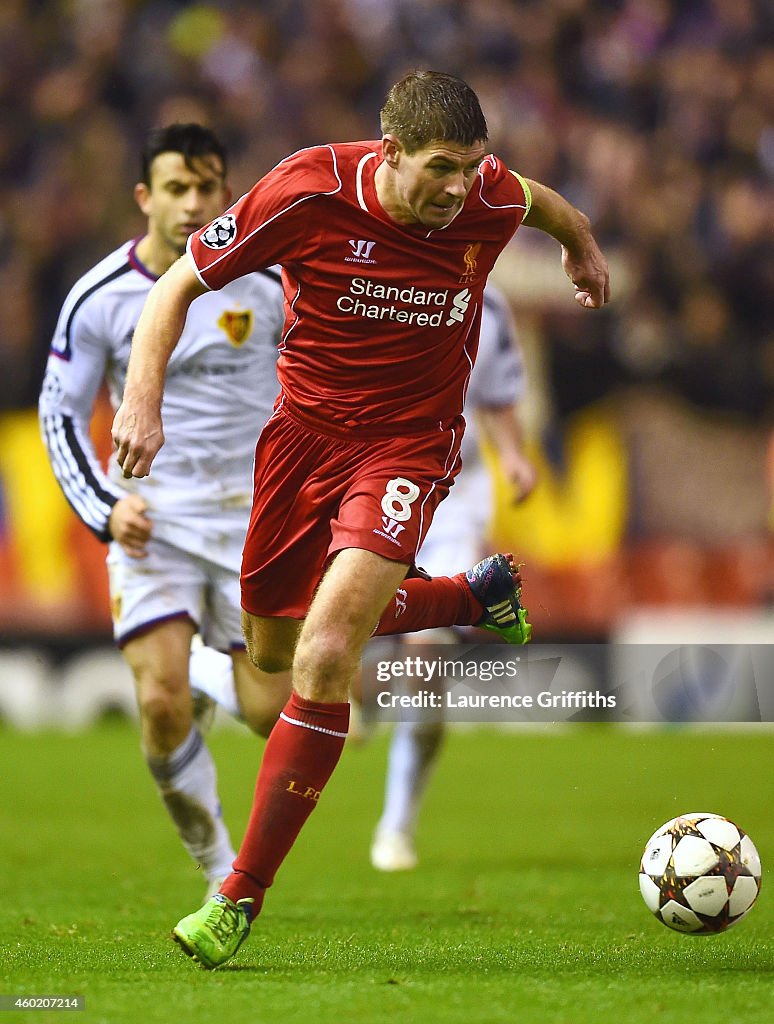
308	725
175	762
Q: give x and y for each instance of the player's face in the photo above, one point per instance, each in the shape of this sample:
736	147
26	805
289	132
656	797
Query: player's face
180	200
431	184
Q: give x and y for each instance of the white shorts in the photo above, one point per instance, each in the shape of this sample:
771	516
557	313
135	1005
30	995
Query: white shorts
458	532
173	583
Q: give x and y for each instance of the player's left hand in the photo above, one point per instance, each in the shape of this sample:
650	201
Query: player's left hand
522	475
589	272
130	526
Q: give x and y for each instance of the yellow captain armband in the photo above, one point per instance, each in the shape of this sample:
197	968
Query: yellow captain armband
525	186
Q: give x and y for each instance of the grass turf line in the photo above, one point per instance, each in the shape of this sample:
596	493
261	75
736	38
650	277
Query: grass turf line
525	906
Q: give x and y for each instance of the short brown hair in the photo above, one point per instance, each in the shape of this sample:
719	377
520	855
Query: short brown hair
192	141
429	106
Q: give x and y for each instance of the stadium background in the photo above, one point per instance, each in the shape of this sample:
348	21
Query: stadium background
651	421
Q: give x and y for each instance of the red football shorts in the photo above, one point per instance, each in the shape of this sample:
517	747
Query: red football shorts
315	495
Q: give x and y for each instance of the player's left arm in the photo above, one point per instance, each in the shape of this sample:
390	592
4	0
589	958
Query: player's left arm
501	426
582	259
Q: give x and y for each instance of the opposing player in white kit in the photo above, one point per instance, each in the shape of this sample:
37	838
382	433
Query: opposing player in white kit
455	540
175	539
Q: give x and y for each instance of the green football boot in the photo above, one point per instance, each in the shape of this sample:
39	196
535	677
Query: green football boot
496	584
213	934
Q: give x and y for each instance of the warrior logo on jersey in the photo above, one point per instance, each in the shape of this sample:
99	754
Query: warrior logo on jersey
361	251
237	325
471	262
221	233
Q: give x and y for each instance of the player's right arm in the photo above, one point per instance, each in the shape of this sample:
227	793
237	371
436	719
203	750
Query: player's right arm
137	429
497	385
75	370
501	427
74	373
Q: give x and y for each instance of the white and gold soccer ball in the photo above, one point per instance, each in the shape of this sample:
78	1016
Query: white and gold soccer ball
700	873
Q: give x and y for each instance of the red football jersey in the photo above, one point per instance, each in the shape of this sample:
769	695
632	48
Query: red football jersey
382	319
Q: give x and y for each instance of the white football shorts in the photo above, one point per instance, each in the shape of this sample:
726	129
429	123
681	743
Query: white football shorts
174	582
458	531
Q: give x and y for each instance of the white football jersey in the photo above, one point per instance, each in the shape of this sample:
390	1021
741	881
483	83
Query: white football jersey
220	388
460	521
498	377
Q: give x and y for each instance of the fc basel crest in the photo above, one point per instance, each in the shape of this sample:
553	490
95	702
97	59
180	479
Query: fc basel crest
236	325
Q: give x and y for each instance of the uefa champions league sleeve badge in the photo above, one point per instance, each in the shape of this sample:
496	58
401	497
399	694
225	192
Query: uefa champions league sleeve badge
220	233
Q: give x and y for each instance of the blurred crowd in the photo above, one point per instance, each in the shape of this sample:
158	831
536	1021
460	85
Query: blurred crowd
656	117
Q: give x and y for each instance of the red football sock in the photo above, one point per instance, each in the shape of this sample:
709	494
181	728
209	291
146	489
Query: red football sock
300	755
427	604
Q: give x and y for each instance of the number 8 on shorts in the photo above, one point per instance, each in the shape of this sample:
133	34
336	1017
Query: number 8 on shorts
398	496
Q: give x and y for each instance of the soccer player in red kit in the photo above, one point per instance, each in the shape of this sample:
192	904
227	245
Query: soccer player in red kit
385	248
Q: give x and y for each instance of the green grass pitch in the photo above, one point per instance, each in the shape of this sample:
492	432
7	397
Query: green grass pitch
525	907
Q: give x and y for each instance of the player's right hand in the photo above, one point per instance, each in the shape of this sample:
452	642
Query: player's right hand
138	436
129	525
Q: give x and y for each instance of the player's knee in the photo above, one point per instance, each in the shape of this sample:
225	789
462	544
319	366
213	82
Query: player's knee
156	707
161	705
324	665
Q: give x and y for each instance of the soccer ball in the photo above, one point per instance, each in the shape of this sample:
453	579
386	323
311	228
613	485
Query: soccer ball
700	873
